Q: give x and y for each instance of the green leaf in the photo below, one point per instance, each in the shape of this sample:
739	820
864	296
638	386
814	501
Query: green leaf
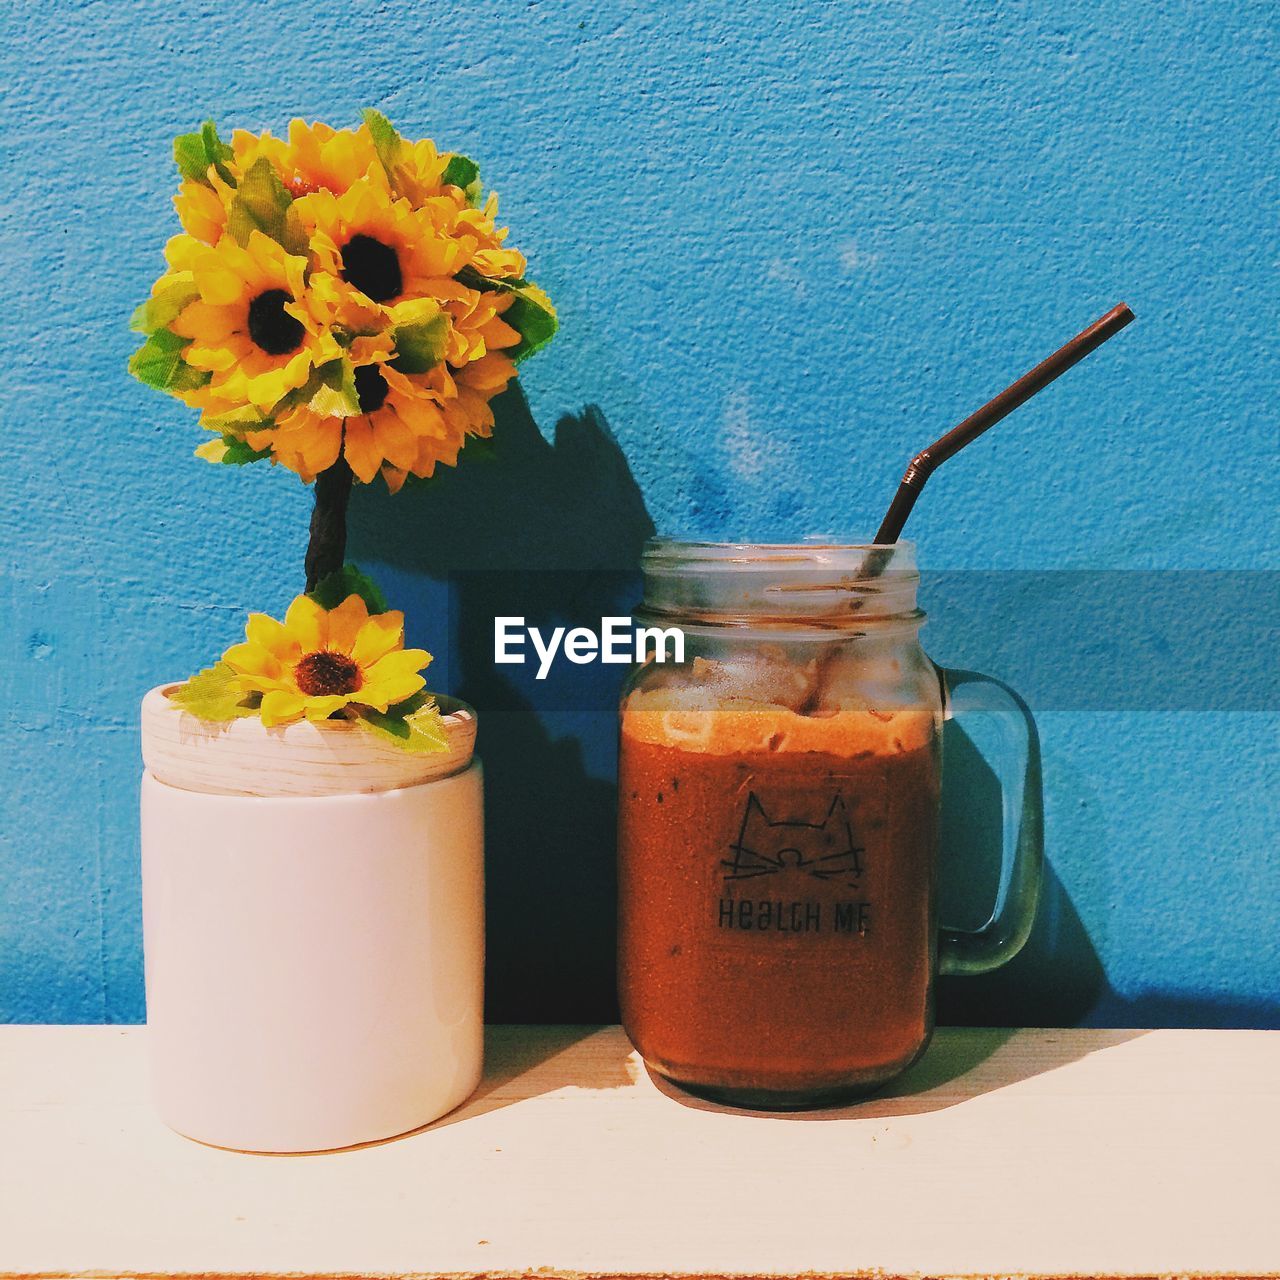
164	307
195	152
533	317
413	725
336	394
240	452
461	171
489	284
299	395
331	591
158	363
263	204
531	314
386	141
188	155
211	696
231	450
217	151
420	345
238	421
477	449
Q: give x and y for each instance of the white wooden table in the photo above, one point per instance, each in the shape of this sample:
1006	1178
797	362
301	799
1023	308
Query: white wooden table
1024	1153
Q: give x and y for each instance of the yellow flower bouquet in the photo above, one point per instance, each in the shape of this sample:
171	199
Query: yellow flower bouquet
343	303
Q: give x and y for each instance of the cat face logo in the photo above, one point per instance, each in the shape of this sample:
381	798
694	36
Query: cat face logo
823	850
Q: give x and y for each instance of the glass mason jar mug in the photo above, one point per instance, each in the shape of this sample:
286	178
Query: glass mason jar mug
779	803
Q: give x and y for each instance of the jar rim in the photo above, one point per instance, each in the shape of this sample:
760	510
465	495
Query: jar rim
826	554
661	541
810	584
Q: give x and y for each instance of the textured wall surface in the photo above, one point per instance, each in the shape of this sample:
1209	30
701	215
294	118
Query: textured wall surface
790	245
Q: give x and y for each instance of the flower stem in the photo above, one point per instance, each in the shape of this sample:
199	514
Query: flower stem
328	543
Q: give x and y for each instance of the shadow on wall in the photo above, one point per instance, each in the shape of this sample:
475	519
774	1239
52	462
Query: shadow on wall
1056	979
553	533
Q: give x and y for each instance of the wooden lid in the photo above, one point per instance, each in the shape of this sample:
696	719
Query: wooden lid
329	758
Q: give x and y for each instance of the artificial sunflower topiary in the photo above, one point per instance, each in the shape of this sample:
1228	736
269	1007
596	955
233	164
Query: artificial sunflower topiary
343	303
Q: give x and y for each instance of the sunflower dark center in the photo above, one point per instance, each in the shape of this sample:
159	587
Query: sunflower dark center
371	387
372	267
271	326
325	672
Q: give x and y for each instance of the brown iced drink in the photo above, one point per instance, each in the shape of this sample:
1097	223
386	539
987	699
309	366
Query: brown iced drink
778	935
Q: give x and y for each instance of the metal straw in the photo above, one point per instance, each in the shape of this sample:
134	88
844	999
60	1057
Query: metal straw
923	465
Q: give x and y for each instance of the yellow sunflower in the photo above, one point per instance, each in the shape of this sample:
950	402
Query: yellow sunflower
202	210
476	371
315	157
401	425
409	423
322	347
400	428
418	168
482	239
320	159
477	327
379	245
319	661
249	328
468	411
336	305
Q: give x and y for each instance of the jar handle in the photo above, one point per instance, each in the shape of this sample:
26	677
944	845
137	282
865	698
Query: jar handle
1016	762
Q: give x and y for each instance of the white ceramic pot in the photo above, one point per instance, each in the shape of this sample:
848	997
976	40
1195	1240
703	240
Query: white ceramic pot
313	920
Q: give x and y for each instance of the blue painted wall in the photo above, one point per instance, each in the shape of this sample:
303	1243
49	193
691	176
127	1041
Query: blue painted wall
789	245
